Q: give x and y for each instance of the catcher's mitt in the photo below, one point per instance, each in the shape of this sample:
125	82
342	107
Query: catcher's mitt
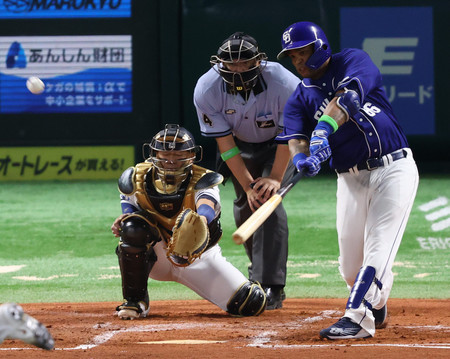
189	239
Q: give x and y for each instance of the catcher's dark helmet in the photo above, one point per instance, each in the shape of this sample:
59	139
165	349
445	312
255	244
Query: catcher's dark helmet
172	170
239	47
302	34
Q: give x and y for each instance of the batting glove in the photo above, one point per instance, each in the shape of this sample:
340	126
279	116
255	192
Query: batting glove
319	145
310	164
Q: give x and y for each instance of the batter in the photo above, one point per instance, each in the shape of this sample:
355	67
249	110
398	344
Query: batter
340	112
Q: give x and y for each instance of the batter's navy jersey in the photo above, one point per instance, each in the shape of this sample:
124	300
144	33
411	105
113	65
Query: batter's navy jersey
256	120
373	132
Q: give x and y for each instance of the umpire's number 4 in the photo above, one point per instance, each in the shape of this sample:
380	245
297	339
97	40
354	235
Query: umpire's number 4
207	120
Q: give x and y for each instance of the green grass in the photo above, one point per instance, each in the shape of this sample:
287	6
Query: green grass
57	235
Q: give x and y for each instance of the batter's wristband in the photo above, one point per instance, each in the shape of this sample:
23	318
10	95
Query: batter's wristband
207	211
330	120
230	153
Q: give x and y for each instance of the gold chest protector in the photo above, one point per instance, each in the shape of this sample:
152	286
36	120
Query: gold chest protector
140	173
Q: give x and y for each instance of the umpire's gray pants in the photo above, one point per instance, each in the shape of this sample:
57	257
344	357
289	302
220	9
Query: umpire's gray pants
267	249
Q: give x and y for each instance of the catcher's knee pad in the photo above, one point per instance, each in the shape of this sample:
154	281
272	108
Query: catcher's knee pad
249	300
139	229
364	280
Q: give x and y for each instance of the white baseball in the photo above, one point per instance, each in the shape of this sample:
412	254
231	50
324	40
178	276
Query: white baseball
35	85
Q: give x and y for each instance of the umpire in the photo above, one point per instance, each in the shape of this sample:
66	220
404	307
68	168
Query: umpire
239	102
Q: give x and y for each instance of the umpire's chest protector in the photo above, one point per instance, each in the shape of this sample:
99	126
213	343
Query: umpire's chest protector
164	208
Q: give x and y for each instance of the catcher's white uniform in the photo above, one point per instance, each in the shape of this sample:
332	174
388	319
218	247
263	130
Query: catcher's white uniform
211	276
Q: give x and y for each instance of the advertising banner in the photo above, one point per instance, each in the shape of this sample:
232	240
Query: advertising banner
400	42
64	163
81	74
32	9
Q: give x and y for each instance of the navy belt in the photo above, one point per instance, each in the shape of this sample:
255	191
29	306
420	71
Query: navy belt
374	163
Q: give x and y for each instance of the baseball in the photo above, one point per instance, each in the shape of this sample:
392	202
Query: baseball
35	85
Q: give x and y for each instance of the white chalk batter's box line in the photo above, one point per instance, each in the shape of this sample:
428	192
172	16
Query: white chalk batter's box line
262	340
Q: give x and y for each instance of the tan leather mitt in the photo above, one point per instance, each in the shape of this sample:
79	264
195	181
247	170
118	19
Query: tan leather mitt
189	239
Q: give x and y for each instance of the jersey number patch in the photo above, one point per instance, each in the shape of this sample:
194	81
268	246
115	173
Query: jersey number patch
370	109
207	121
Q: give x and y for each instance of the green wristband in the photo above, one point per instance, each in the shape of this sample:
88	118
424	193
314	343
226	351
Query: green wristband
330	120
230	153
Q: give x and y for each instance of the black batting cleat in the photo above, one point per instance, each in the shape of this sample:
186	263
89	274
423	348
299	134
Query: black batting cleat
344	329
381	317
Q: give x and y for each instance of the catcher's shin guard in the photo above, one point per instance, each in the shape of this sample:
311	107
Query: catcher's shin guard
249	300
135	265
138	234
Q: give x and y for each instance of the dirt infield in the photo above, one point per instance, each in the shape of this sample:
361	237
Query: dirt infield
197	329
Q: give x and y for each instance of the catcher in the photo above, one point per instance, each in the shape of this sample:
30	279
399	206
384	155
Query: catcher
170	229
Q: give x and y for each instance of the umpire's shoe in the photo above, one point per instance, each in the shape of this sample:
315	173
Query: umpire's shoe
344	329
381	317
15	324
130	310
275	297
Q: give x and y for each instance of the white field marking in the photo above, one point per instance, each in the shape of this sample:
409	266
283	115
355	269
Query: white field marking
438	214
33	278
112	267
262	339
108	276
292	264
105	337
404	264
185	341
9	269
429	327
347	345
301	321
440	201
323	315
422	275
307	275
308	346
440	226
259	341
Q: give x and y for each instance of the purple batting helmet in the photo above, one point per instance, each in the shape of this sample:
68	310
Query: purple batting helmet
302	34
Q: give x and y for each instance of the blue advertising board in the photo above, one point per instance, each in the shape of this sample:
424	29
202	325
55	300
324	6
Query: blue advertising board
400	42
34	9
81	74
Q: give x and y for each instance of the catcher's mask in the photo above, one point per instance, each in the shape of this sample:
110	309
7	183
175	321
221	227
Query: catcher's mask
239	48
172	151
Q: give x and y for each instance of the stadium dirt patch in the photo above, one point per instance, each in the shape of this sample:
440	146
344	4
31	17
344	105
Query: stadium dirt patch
197	329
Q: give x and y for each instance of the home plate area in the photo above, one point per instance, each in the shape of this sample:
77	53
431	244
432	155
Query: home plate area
198	329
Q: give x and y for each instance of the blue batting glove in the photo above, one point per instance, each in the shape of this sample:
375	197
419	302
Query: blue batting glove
319	145
310	164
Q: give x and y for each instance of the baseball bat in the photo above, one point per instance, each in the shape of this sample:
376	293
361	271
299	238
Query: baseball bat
258	217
